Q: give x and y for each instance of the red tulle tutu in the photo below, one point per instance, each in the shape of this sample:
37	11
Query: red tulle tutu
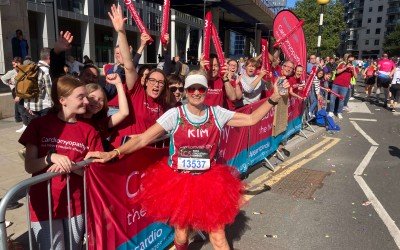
204	202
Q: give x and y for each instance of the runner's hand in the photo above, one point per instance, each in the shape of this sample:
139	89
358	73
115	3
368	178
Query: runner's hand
101	157
64	42
117	18
203	63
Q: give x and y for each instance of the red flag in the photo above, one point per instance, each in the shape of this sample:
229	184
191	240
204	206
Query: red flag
309	81
218	47
165	21
289	34
265	59
207	37
137	19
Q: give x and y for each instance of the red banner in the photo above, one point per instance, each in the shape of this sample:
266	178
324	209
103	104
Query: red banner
137	19
289	34
114	215
218	47
165	21
207	38
265	59
309	82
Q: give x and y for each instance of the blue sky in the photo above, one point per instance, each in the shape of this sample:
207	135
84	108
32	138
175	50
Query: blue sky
290	3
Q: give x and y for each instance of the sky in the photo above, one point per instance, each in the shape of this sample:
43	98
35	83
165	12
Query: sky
290	3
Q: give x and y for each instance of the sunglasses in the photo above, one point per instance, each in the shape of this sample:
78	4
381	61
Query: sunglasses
174	89
201	90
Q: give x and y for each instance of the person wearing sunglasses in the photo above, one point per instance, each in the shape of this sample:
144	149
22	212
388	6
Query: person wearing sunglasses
146	102
196	192
175	91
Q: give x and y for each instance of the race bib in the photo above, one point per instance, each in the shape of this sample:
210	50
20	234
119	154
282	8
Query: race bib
193	159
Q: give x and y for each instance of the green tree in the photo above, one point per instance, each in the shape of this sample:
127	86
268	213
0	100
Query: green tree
333	25
392	42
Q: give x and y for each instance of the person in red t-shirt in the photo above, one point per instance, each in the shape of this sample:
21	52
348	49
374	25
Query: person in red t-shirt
190	189
369	75
344	72
219	89
296	83
96	112
53	143
234	79
147	101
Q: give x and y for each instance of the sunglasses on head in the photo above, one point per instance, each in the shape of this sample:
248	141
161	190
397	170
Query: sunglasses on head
174	89
201	90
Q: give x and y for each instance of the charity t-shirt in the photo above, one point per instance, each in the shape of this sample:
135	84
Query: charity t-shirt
74	140
215	93
169	120
386	65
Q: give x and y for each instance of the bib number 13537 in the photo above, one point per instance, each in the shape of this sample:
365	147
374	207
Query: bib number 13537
193	159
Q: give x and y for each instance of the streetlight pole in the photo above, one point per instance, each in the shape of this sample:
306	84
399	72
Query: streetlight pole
322	4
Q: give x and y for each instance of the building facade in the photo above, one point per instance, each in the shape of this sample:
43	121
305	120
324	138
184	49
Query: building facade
368	23
93	32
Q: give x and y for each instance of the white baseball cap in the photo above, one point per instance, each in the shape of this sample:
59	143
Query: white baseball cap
196	79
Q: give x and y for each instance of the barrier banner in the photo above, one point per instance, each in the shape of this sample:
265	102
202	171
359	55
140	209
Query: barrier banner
233	144
165	21
135	15
207	38
289	34
218	48
115	218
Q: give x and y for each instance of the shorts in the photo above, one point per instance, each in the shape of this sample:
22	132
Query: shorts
395	90
383	81
370	80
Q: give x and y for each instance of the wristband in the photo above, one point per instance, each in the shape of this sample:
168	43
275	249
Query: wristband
225	80
117	150
272	102
48	157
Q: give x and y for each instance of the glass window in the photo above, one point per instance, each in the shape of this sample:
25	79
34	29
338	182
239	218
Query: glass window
379	20
370	9
376	42
380	8
369	20
367	32
366	42
377	31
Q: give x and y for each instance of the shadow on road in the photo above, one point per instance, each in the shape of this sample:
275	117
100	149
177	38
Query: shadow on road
234	232
394	151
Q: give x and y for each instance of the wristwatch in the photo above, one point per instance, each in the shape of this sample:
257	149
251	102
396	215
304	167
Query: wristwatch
225	80
48	156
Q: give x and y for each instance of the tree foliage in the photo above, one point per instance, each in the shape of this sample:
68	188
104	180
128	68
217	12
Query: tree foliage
392	42
333	25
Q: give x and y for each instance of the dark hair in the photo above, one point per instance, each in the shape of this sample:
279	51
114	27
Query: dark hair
89	66
163	92
320	70
143	69
169	96
17	59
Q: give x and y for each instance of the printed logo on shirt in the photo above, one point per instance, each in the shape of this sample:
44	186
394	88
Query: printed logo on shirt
153	110
54	142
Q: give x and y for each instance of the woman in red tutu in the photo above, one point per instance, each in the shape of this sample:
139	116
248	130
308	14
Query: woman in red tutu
189	190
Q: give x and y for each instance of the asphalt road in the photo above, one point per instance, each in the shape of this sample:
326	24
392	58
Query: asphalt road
337	214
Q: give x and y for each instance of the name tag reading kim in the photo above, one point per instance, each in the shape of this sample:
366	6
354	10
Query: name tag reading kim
193	159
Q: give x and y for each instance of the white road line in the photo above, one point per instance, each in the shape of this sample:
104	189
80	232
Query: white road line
380	210
5	94
390	224
364	163
364	134
362	119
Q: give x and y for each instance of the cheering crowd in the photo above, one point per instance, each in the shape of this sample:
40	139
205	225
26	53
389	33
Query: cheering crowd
74	117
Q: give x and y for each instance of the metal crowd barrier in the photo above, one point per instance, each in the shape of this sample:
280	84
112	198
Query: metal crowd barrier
22	189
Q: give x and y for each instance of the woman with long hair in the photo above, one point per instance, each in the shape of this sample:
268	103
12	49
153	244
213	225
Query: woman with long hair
54	143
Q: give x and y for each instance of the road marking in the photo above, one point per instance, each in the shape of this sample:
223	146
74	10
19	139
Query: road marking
358	107
359	129
380	210
362	119
364	163
5	94
311	154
